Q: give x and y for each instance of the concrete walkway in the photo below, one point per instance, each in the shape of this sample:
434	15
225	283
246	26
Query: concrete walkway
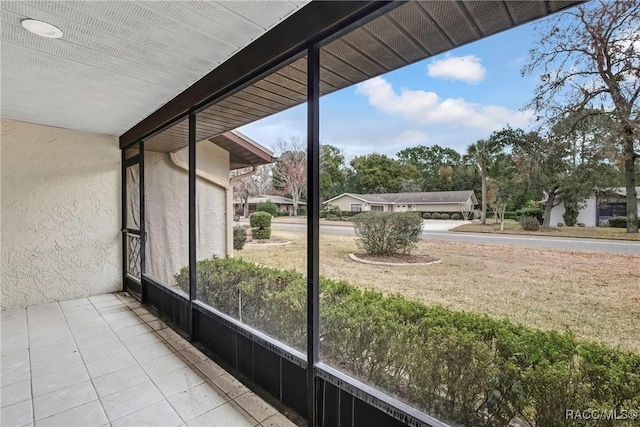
106	361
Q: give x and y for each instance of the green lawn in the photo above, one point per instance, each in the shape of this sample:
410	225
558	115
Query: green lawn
513	227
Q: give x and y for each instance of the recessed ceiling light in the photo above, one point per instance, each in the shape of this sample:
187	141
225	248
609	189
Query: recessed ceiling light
41	28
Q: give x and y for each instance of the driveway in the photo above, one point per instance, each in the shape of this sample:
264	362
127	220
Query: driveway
442	225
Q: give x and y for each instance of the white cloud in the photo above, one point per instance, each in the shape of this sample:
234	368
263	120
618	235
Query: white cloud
428	108
466	68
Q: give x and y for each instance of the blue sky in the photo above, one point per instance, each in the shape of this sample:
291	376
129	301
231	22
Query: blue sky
452	99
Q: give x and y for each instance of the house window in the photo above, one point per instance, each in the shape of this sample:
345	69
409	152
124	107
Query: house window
377	208
356	207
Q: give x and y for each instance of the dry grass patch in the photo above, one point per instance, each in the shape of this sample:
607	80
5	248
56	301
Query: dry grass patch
512	227
597	296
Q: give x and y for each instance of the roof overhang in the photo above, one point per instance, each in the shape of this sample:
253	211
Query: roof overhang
359	40
243	151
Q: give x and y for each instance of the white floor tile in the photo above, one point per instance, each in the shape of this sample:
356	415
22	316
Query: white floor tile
131	400
156	415
58	380
228	415
15	375
180	380
49	366
198	400
62	400
120	380
152	351
18	414
14	393
89	414
163	365
110	364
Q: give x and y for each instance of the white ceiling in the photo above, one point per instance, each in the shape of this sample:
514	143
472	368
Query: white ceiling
119	61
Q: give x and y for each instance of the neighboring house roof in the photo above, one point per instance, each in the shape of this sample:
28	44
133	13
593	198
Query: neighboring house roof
278	200
414	198
622	191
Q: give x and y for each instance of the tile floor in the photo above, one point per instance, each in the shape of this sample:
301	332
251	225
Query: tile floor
106	360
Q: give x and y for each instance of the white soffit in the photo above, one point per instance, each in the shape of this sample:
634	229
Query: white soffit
119	61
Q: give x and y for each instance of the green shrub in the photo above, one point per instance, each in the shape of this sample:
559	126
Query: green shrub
620	222
444	216
332	217
510	215
529	223
261	233
260	220
465	368
386	233
533	209
268	207
302	212
239	237
435	215
426	215
283	213
455	216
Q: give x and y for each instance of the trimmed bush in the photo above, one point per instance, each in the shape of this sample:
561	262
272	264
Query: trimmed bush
465	368
386	233
435	215
510	215
283	213
261	233
332	217
239	237
444	216
620	222
268	207
260	220
530	211
260	225
529	223
426	215
455	216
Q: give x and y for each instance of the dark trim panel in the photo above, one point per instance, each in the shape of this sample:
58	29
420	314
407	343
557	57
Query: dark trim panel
313	226
311	24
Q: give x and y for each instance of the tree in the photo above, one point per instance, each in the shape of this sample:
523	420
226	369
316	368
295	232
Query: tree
547	162
595	57
290	170
333	174
258	182
437	166
377	173
482	154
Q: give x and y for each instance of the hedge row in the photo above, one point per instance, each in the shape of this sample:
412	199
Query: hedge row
467	369
620	222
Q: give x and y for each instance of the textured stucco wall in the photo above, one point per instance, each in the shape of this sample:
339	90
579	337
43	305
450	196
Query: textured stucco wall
167	211
60	214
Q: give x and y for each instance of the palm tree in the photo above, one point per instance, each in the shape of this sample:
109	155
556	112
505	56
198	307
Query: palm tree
482	155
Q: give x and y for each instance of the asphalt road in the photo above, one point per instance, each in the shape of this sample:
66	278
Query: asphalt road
538	242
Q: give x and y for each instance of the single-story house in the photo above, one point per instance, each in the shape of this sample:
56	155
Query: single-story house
434	201
284	204
598	208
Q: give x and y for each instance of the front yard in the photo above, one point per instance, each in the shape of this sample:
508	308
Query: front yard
513	227
594	295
